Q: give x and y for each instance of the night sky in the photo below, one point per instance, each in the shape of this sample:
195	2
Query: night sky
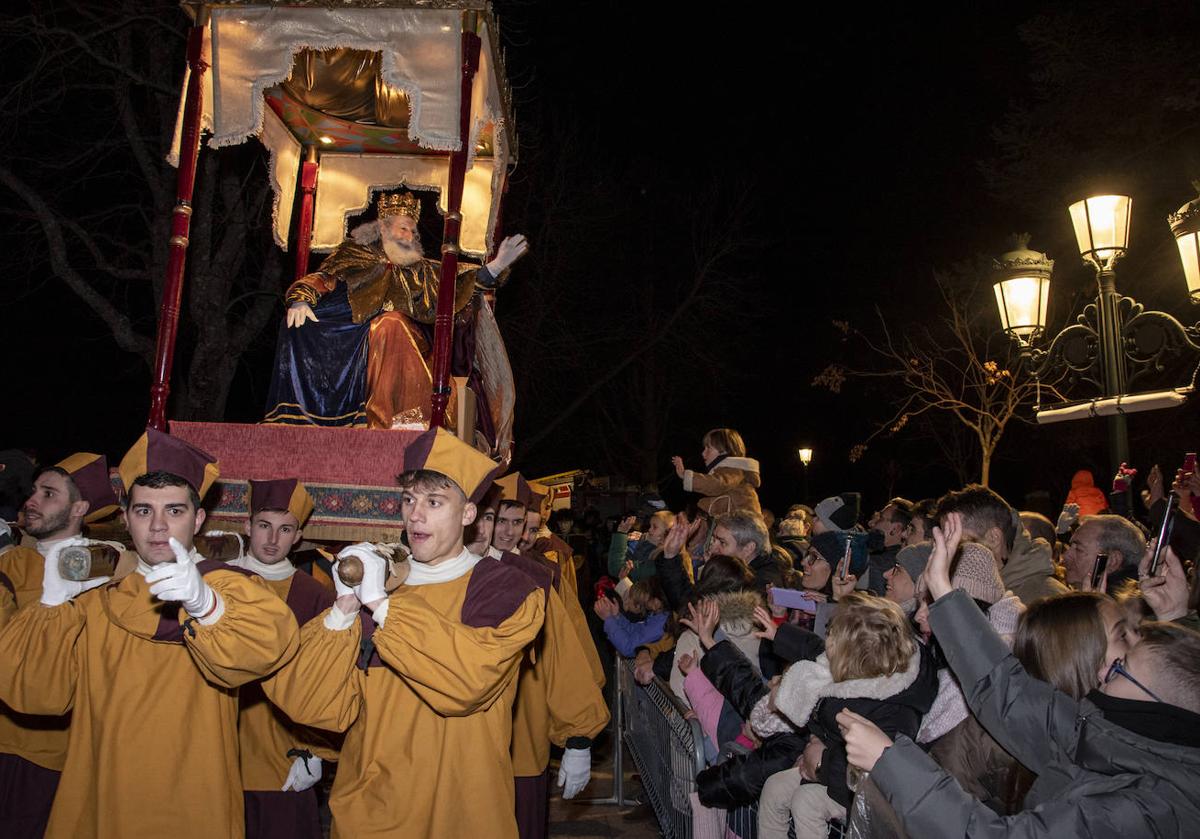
858	146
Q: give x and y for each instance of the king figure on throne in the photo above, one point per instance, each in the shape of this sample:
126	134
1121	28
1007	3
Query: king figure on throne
357	345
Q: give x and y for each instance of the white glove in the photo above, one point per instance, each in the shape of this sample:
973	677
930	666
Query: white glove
298	313
181	581
57	591
375	571
575	771
301	776
509	251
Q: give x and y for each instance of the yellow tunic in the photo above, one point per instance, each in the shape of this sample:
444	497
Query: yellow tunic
38	739
265	734
152	749
430	719
555	698
568	587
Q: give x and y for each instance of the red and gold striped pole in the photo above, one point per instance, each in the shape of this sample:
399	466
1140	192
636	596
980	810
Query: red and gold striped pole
181	220
443	325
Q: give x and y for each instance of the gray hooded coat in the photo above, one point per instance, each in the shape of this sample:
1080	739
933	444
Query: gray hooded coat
1095	778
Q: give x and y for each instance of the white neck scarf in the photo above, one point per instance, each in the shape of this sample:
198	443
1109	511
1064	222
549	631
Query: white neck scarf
45	547
422	574
279	571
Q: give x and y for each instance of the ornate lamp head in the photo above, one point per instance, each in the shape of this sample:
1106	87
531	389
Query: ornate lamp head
1022	289
1185	224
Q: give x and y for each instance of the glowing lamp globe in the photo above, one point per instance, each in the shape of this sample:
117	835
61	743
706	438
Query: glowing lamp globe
1102	228
1022	287
1185	224
806	456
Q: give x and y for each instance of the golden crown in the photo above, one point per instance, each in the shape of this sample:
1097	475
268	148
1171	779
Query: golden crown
402	203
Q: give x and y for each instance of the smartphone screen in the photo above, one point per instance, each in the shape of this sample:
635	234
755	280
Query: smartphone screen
844	566
792	599
1164	534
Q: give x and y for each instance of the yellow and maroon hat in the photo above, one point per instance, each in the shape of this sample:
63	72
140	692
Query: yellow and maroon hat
437	450
158	452
281	494
89	472
514	487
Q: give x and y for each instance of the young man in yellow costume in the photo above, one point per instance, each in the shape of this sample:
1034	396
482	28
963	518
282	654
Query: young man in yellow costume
65	497
149	666
557	699
281	761
422	680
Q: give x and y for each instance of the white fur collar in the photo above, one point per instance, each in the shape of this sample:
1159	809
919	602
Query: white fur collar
807	682
746	464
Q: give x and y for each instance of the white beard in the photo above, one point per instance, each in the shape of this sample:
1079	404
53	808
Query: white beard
401	254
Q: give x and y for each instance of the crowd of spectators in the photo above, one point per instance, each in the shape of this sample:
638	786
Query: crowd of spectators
950	666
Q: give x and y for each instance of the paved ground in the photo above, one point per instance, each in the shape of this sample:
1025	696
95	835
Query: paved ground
573	818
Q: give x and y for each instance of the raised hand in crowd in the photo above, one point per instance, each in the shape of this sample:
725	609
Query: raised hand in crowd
763	618
945	545
605	608
685	663
1167	593
1154	486
626	569
1067	518
626	524
865	741
677	462
677	537
842	586
703	619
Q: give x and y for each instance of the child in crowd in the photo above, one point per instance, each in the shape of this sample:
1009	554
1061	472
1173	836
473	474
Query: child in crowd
640	551
872	665
731	481
644	601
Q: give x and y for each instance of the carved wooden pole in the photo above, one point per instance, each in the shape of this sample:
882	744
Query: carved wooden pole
181	220
443	325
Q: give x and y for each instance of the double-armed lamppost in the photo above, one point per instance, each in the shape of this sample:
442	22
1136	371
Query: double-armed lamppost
1115	341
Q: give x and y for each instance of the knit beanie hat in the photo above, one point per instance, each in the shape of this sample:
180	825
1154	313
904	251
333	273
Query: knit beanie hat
831	545
839	512
914	558
976	573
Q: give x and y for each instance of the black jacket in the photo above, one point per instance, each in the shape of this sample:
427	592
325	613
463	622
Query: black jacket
896	703
739	780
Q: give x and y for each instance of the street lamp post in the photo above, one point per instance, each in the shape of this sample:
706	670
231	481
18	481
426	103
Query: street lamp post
806	458
1114	341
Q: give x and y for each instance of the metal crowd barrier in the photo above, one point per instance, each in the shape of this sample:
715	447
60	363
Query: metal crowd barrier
668	750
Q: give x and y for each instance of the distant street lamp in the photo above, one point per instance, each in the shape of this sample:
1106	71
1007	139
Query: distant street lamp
806	458
1114	341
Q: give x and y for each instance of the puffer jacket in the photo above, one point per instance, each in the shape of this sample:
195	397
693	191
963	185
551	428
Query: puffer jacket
1029	571
1086	494
808	696
1095	778
738	781
729	487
